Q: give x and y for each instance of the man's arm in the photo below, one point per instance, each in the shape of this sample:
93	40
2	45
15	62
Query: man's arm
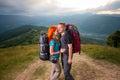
69	53
69	39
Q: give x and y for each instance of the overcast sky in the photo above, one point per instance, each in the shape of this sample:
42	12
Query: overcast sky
58	7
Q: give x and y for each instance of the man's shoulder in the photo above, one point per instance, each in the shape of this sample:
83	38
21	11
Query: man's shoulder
68	34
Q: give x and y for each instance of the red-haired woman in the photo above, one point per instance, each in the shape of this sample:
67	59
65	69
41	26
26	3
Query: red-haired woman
54	52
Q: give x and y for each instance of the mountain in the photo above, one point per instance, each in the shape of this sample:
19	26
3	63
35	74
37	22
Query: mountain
29	34
86	40
8	22
100	24
23	35
90	25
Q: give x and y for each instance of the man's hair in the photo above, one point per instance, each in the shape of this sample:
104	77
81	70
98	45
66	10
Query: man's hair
62	23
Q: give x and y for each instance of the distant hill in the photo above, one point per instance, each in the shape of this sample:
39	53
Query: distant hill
93	26
29	34
102	24
23	35
86	40
8	22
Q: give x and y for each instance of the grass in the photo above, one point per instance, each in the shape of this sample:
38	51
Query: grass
39	72
103	52
15	59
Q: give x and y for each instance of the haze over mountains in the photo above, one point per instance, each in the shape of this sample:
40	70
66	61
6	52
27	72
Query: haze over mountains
29	34
89	25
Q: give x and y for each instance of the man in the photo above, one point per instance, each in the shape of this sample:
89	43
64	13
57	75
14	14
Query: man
66	49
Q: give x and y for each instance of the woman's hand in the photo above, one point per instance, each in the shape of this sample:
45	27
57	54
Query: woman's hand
62	50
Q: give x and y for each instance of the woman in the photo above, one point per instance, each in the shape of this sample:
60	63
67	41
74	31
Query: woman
54	52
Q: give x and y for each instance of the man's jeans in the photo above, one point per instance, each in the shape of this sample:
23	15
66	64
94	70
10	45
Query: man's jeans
66	66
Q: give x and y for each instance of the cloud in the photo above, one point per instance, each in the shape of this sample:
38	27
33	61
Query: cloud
28	7
53	7
110	8
32	7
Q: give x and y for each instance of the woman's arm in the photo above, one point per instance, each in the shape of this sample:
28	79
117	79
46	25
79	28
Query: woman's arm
52	51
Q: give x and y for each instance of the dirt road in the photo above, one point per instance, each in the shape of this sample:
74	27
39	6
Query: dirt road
83	68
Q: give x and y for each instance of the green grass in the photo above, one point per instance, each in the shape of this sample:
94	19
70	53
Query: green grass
15	59
103	52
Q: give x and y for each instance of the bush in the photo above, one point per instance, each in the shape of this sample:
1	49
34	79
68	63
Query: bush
114	39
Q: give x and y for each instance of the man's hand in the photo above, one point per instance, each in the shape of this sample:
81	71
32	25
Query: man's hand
62	50
69	61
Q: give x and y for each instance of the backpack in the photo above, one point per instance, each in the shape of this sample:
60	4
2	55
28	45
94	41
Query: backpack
44	47
75	36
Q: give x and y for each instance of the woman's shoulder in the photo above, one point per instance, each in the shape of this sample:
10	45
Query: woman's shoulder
52	40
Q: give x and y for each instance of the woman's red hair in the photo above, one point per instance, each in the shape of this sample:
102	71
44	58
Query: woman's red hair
51	31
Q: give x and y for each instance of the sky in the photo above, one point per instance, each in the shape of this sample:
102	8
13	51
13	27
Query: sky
58	7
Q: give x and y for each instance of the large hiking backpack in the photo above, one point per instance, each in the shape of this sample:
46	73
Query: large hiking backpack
44	47
75	36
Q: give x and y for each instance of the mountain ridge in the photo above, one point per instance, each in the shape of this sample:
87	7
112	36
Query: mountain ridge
23	35
88	23
29	34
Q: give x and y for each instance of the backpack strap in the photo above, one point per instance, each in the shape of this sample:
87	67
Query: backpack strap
80	42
